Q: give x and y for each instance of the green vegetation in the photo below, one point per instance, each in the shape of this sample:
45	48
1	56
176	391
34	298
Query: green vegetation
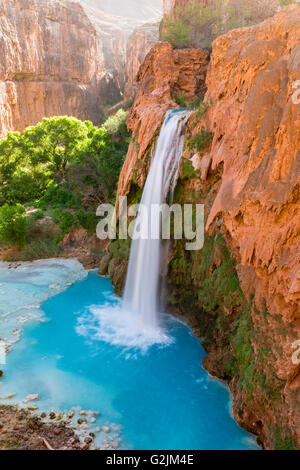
197	24
181	100
201	140
62	167
282	440
13	224
40	249
284	3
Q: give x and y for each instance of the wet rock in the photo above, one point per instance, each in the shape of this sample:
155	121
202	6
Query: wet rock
106	429
81	420
71	414
10	396
32	397
84	446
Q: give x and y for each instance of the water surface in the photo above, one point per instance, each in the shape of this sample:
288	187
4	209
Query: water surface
154	398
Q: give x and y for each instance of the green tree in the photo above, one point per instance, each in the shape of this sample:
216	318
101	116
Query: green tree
13	225
55	142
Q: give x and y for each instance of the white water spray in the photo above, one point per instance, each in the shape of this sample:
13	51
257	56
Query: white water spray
133	322
141	294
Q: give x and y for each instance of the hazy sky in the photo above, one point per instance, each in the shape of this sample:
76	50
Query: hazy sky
138	9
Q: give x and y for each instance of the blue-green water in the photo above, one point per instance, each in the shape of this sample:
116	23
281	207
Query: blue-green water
158	398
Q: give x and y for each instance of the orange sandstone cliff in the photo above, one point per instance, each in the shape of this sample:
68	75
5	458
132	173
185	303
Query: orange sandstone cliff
241	293
64	57
52	62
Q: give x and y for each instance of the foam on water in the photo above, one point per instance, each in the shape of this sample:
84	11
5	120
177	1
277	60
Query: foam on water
117	326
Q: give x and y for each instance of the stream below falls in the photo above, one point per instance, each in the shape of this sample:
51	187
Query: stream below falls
152	393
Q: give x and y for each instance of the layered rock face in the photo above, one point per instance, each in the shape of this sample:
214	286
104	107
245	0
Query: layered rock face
257	136
255	119
164	74
61	57
51	63
241	293
126	42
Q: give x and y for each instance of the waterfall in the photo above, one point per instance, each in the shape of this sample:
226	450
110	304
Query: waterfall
141	296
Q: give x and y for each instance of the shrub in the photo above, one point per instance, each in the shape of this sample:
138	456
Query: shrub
57	196
41	249
201	140
116	124
181	100
197	24
88	220
66	220
13	225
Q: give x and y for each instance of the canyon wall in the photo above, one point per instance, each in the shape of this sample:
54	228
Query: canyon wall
64	57
52	63
165	73
139	44
241	292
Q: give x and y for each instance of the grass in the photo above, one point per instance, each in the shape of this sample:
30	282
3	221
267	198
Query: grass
42	249
282	440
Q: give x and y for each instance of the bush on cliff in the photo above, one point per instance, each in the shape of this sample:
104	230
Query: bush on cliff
198	23
13	225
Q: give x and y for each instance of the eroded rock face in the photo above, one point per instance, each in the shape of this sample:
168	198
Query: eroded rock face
165	73
249	180
256	126
257	138
51	63
63	57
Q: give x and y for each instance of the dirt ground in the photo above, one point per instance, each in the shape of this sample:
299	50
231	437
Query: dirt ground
20	429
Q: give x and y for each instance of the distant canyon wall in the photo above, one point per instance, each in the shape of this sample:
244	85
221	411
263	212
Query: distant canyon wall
51	63
61	57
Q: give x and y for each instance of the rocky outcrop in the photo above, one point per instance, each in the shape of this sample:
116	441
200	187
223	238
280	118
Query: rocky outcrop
52	63
64	57
165	73
255	122
257	137
241	292
125	42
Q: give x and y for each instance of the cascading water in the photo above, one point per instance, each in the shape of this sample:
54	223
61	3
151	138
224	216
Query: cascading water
142	284
134	322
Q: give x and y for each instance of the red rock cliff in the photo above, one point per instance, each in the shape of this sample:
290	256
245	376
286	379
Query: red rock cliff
165	73
51	62
65	57
253	115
